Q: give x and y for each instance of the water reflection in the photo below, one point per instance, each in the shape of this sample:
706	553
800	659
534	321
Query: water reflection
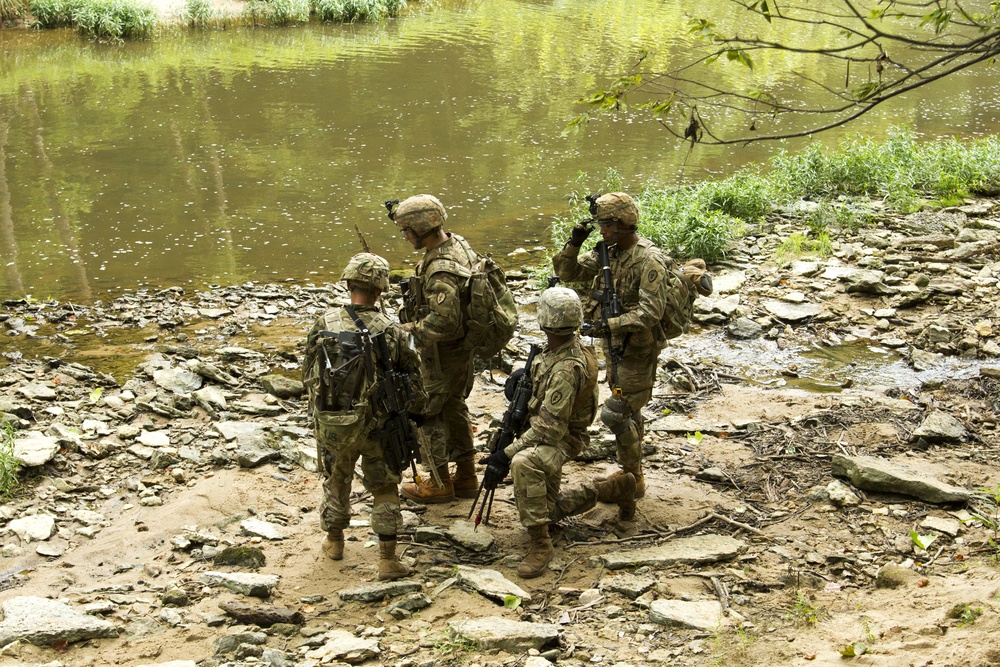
251	154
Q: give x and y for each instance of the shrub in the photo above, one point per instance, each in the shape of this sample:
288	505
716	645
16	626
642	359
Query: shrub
115	19
276	12
346	11
9	465
54	13
12	10
198	13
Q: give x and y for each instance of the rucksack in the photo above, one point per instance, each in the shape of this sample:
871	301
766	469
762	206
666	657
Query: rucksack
492	315
685	284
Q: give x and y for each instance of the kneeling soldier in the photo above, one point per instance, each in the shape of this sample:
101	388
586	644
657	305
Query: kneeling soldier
563	404
338	370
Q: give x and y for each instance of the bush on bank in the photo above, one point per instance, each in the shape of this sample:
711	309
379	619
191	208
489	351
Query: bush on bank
703	219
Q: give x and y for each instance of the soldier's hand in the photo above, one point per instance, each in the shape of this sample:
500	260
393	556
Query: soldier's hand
596	329
579	234
510	386
497	467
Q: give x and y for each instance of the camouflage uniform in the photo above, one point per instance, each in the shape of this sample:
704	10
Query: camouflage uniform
434	312
639	275
344	435
563	404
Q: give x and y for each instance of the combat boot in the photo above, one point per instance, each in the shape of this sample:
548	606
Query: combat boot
465	483
428	491
619	489
539	553
640	481
389	567
333	545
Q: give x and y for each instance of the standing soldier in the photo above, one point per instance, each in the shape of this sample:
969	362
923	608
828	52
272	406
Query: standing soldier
434	307
563	404
639	271
337	370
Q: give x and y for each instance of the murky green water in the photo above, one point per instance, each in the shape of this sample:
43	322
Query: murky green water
221	157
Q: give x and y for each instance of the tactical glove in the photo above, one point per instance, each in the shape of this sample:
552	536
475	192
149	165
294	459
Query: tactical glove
497	467
510	386
579	234
596	329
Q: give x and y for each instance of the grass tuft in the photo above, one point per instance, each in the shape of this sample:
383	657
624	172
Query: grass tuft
9	464
12	11
276	12
347	11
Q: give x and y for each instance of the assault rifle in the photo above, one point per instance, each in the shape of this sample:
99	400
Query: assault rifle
611	306
397	436
514	420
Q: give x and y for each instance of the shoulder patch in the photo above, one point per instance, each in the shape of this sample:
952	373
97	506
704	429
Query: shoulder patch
651	277
556	397
441	298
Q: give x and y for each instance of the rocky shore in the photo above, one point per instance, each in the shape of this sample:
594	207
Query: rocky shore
168	510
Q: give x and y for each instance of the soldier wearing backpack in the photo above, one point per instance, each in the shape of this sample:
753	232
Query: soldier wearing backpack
643	282
338	372
435	307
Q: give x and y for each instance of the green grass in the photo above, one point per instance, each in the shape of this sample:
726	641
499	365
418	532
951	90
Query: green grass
9	465
98	19
276	12
703	219
12	10
199	13
347	11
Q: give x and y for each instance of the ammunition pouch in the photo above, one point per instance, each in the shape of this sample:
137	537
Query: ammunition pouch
615	414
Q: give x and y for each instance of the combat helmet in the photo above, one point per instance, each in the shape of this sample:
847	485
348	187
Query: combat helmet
420	213
616	206
368	268
559	310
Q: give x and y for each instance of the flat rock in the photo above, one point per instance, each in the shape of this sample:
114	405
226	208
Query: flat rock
154	438
281	386
792	312
177	380
465	534
35	449
37	392
696	614
261	615
244	583
345	647
691	550
490	583
498	633
940	427
34	528
378	591
43	622
629	585
875	474
260	528
942	524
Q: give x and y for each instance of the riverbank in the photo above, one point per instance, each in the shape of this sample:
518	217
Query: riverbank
762	539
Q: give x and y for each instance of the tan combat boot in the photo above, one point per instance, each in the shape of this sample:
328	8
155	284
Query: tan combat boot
389	567
539	553
333	545
465	483
429	492
619	489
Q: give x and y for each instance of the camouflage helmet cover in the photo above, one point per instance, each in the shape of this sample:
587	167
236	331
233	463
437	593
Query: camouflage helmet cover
368	268
618	206
421	213
559	310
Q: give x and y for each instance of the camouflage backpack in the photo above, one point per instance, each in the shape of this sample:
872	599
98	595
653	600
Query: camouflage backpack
686	283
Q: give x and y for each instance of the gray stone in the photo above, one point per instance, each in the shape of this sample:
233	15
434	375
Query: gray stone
38	392
841	495
275	658
940	427
942	525
281	386
66	436
254	455
490	583
696	614
241	432
802	268
212	372
233	353
792	313
43	622
894	576
177	380
34	449
411	603
729	282
214	313
154	438
922	360
875	474
629	585
378	591
244	583
211	396
743	328
691	550
229	643
498	633
35	528
465	534
265	529
343	646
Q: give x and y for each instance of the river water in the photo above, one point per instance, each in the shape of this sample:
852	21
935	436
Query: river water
220	157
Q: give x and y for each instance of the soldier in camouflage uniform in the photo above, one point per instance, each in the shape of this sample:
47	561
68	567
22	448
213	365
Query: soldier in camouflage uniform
434	307
639	272
345	424
563	404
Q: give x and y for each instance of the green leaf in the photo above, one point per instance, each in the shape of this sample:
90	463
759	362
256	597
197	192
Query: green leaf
855	649
695	438
922	541
666	411
511	602
765	11
95	395
740	56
